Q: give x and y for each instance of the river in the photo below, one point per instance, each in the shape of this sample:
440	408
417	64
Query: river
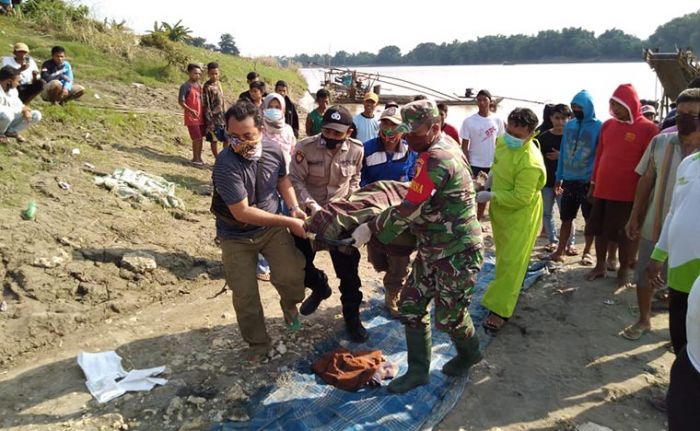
543	83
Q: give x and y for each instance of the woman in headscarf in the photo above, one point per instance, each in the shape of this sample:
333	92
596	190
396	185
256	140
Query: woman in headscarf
275	128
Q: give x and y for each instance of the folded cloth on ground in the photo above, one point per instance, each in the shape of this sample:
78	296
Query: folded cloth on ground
138	185
351	371
107	379
338	219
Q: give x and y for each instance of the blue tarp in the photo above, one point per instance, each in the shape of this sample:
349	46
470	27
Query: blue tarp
305	402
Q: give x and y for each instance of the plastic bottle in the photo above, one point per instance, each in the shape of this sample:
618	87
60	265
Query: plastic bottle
30	212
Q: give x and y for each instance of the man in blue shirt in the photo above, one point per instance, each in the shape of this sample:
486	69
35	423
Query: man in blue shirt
58	75
387	157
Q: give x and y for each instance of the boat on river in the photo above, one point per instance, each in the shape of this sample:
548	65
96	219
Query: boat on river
675	70
350	86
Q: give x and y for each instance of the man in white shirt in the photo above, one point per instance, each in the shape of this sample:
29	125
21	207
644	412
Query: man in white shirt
365	122
30	83
478	134
14	115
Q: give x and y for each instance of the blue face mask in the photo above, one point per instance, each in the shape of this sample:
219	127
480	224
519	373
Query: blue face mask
512	142
273	114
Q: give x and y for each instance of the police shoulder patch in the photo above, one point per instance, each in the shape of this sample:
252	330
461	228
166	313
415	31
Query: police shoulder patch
299	157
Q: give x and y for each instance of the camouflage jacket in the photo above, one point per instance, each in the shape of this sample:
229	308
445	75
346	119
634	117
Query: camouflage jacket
439	208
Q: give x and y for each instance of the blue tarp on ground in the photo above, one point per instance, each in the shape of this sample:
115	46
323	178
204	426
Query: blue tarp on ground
305	402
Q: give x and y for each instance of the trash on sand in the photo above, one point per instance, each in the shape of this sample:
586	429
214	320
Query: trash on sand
592	426
97	96
140	186
609	302
75	151
62	184
103	369
3	306
30	212
52	262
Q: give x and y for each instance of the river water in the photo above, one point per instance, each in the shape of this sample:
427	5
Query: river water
544	83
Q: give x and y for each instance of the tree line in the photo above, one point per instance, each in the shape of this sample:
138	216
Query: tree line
566	45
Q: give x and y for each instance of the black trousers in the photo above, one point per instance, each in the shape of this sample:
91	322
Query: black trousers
683	398
346	269
28	91
677	310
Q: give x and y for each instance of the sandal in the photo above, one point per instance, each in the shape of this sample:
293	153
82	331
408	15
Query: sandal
571	250
491	328
264	276
292	323
635	332
552	247
587	260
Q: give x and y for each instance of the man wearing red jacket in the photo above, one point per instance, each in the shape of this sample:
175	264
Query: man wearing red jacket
622	142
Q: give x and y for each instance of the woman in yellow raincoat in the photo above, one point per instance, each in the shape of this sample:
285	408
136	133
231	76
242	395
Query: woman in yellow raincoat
517	177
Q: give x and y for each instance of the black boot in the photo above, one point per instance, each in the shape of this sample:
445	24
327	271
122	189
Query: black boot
353	325
468	354
418	345
320	290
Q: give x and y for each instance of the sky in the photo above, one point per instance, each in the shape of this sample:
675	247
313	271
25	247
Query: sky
287	27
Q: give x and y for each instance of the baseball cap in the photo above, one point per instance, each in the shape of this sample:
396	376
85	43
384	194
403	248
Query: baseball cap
371	96
648	109
337	118
417	114
392	114
484	92
19	46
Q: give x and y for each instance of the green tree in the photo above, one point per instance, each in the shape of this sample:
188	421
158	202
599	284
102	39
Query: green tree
176	32
389	55
678	33
199	42
227	45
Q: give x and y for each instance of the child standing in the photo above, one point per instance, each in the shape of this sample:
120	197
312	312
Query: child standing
190	99
214	108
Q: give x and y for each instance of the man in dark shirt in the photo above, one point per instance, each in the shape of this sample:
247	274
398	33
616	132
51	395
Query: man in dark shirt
250	77
247	176
550	144
291	116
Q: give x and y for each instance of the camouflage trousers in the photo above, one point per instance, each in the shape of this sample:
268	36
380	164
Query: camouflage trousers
450	282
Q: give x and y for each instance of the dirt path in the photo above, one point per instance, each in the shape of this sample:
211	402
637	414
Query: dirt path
561	363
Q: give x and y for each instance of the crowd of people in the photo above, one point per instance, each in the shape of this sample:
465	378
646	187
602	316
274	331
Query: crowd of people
635	181
21	80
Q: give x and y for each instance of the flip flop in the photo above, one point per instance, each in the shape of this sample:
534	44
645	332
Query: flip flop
634	332
571	250
551	247
490	328
265	276
292	323
587	260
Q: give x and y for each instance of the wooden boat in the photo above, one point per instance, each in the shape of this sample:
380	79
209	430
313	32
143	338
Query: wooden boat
349	87
675	70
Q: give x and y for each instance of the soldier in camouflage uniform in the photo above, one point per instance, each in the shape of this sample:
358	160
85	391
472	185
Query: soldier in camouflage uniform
439	210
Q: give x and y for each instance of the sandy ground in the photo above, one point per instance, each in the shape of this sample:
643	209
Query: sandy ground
557	364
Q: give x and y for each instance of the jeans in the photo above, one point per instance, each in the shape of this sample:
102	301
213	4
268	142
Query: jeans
548	199
14	122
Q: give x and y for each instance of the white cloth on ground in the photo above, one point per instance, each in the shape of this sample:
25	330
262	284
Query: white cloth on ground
107	379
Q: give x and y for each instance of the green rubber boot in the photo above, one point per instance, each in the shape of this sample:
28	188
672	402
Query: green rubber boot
468	354
418	343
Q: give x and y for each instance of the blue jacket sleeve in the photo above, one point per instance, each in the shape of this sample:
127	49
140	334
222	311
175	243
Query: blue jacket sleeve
68	77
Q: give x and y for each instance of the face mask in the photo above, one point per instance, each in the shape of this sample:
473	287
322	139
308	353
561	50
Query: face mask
273	114
512	142
389	136
420	143
687	124
251	150
332	143
578	115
